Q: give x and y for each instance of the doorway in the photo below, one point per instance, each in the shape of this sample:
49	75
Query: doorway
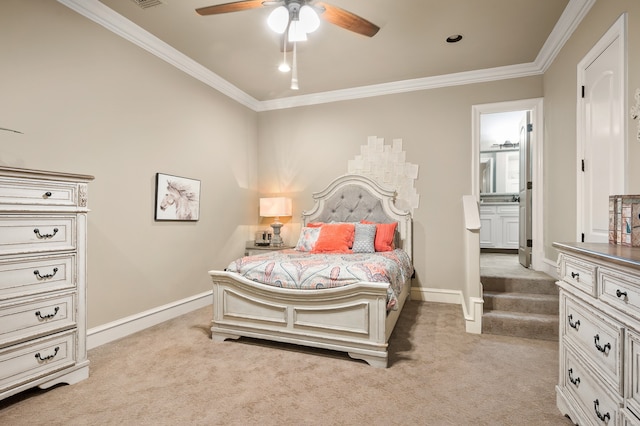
499	160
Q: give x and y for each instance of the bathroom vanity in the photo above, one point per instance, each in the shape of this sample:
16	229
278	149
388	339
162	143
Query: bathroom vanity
499	222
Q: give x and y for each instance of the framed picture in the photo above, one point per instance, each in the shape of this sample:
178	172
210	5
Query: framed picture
177	198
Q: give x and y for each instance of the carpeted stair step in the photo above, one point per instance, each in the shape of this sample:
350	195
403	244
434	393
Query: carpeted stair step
539	285
521	306
521	302
528	325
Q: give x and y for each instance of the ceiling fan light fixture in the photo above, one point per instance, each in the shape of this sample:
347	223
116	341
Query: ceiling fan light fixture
278	19
309	19
296	32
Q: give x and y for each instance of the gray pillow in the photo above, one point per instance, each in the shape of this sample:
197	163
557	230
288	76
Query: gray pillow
364	238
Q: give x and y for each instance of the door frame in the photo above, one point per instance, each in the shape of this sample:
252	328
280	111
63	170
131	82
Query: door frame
535	105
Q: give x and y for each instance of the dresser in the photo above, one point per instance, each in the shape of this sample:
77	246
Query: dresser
599	346
43	263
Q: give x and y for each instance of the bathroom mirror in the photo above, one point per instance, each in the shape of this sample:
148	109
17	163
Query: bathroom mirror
499	172
500	152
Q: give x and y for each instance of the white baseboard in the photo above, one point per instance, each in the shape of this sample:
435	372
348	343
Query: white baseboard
436	295
472	317
115	330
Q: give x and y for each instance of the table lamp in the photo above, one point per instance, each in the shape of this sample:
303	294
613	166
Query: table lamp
275	207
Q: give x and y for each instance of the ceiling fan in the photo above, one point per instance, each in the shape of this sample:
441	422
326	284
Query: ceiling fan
329	13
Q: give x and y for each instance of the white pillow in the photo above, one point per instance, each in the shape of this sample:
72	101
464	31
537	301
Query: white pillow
307	239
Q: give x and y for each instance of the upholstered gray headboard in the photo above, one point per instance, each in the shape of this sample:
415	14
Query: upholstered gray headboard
352	198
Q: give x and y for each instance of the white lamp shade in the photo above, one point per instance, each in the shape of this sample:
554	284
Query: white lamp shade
309	19
296	32
275	207
278	19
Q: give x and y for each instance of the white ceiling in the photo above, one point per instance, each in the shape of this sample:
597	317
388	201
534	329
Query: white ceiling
242	54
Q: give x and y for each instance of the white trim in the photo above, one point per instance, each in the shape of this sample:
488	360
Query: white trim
101	14
536	107
436	295
566	25
473	319
115	330
118	24
550	268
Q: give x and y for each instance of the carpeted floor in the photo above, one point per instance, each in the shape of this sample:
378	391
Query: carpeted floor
173	374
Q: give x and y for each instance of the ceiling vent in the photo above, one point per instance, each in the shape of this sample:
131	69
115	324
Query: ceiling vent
147	3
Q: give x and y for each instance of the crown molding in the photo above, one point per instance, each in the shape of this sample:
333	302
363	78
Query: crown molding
116	23
573	14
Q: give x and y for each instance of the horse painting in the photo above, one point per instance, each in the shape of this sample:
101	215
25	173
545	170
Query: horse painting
181	197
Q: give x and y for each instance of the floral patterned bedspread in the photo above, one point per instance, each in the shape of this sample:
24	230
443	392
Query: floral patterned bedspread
302	270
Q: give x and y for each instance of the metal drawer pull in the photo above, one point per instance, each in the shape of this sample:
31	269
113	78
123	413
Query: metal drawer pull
575	275
603	349
47	194
48	316
48	357
621	293
575	381
573	324
45	276
45	236
606	417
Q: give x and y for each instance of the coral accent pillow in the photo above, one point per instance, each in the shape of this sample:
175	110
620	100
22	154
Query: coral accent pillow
315	224
335	238
385	234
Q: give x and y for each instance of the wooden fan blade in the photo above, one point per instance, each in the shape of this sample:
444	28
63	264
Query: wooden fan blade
347	20
235	6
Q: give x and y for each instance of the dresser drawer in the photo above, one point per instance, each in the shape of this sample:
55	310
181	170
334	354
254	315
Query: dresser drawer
32	275
596	337
632	373
13	191
31	360
620	290
580	274
35	318
599	405
26	234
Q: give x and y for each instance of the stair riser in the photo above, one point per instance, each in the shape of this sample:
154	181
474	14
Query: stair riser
516	285
526	305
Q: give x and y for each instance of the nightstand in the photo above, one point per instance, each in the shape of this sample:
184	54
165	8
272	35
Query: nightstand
251	249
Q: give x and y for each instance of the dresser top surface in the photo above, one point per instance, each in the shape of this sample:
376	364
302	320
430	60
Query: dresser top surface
622	255
42	174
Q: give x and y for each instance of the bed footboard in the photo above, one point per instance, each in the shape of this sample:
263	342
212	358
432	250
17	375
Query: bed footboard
350	319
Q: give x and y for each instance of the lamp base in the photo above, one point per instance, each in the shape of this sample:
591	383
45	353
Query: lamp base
276	240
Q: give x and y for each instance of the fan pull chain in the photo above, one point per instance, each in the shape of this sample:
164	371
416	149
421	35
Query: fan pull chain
294	72
284	67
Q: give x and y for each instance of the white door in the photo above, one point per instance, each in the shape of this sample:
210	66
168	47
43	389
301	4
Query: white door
601	135
525	240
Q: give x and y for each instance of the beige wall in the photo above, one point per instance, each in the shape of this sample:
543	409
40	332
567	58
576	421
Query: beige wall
90	102
301	150
560	90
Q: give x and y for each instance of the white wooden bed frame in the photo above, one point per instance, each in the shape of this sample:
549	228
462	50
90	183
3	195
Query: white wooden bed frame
352	319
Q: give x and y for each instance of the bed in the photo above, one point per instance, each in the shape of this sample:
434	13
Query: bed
357	318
